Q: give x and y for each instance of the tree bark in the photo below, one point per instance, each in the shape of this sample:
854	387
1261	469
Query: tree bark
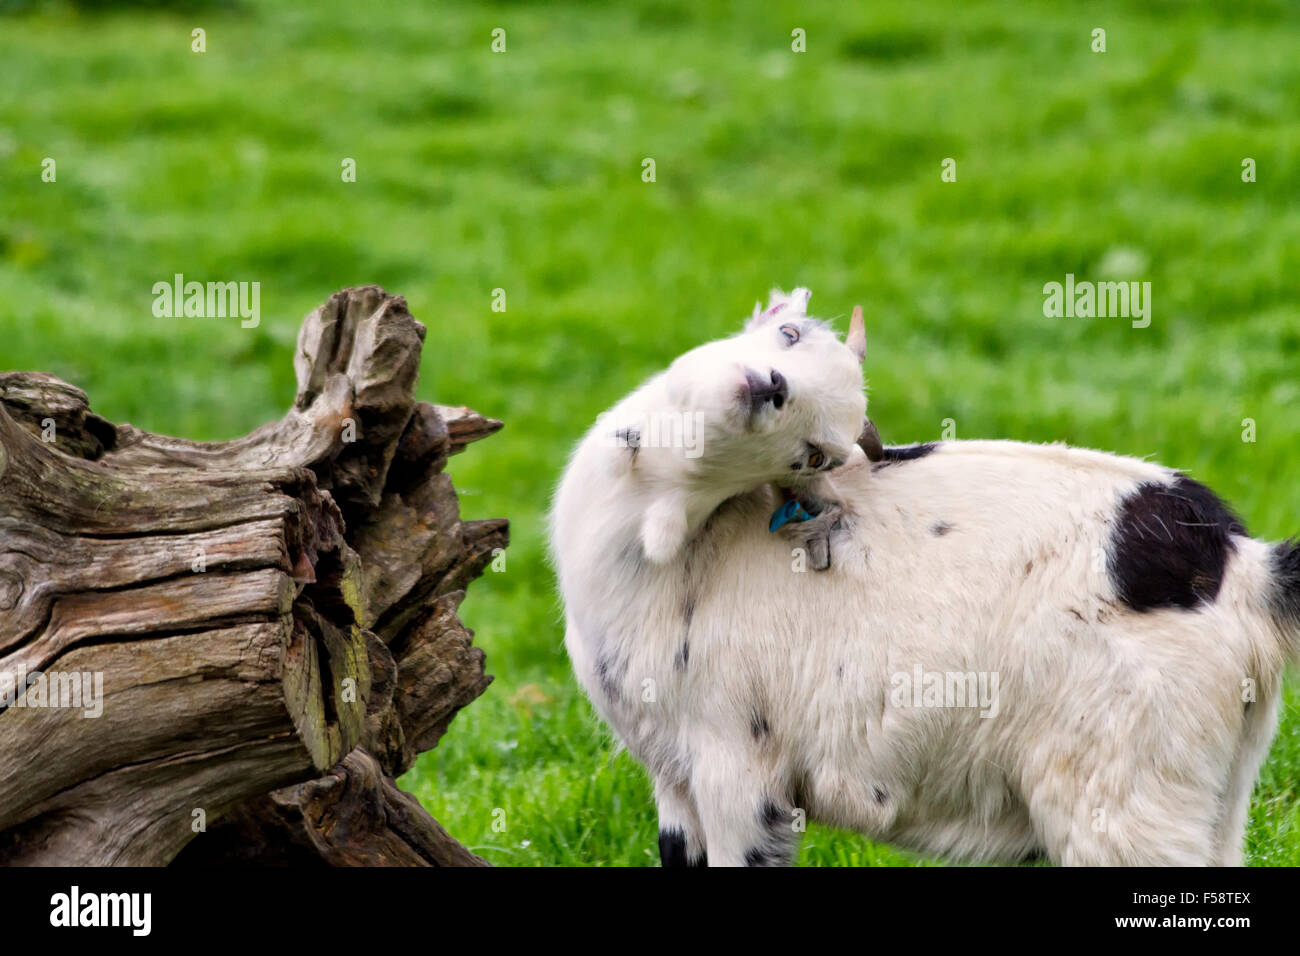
273	619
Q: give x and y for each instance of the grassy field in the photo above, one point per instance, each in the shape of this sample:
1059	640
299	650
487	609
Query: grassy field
522	171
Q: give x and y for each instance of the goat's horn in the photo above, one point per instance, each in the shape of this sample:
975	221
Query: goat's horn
856	340
869	441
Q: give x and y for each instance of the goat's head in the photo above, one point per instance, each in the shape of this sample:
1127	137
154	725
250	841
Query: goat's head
781	401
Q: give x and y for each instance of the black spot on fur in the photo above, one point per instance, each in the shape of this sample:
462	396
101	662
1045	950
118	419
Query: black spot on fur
684	652
630	437
609	682
672	850
1286	572
1170	545
940	528
879	794
777	846
892	454
758	726
772	813
672	847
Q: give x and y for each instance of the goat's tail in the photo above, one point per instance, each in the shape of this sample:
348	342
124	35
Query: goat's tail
1286	594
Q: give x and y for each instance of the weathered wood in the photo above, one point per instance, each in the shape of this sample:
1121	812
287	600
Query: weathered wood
259	612
354	816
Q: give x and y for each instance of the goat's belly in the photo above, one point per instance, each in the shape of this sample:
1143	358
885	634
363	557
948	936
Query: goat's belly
930	781
1007	839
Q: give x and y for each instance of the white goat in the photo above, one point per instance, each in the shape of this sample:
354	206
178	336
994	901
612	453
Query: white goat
1018	650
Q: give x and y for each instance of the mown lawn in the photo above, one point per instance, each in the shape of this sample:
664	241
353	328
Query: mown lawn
522	171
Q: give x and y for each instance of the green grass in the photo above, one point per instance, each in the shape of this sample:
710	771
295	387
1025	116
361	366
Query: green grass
522	171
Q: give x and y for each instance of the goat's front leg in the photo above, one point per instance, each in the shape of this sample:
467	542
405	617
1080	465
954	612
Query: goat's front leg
681	838
747	816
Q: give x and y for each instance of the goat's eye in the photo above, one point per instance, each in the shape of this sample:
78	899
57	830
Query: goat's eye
816	460
791	333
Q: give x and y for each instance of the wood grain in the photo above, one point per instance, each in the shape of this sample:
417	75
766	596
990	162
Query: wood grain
271	620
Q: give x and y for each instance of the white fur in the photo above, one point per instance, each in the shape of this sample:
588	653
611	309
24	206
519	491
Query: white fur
1117	737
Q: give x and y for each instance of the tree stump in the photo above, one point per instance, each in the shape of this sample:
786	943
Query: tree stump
273	619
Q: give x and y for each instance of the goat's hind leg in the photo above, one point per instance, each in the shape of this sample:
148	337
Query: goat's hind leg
681	838
1135	812
1256	734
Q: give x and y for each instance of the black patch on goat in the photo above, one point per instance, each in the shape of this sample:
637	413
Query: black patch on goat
1170	544
630	437
1286	572
672	850
940	528
892	454
609	681
684	652
777	846
758	726
772	814
698	553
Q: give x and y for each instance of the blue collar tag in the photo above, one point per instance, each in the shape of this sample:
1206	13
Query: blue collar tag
790	511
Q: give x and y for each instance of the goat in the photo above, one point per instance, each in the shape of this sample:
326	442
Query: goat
1020	651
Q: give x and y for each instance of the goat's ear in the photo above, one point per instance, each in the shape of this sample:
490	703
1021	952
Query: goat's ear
780	306
856	340
663	530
